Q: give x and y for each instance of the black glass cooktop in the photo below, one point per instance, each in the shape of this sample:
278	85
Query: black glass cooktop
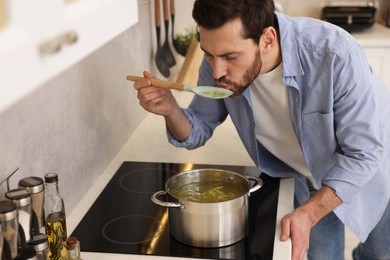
124	220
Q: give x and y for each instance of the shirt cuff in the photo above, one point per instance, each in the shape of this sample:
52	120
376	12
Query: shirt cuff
190	142
344	190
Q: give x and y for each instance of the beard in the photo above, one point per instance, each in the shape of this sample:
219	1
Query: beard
249	76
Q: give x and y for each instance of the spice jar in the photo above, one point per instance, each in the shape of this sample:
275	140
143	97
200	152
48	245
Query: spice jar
1	241
36	187
22	199
10	225
41	246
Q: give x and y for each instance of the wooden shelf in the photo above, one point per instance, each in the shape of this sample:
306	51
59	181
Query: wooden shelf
189	71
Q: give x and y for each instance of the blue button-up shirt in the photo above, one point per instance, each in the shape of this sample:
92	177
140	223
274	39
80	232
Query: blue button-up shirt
340	112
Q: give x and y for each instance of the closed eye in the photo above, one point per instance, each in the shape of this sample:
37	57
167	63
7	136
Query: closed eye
231	57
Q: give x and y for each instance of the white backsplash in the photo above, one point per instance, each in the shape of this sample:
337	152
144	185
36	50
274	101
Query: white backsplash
76	123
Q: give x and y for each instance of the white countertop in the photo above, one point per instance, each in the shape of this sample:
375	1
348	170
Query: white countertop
376	36
149	143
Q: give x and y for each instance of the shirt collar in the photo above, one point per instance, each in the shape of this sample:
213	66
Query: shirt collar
289	47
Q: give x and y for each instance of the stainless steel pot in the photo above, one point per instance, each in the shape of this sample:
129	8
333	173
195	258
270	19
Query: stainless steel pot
207	224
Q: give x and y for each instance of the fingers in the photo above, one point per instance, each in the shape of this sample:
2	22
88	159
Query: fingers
145	90
296	228
154	99
300	244
147	74
139	84
150	105
146	95
299	248
285	228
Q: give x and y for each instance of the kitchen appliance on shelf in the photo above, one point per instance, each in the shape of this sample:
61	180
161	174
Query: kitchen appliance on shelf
124	220
350	18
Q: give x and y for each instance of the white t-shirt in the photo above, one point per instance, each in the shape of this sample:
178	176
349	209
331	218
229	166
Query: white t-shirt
273	122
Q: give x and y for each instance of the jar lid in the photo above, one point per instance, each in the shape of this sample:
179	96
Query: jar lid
33	184
21	197
39	242
8	210
51	177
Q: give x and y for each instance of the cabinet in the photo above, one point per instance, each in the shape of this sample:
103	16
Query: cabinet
376	44
379	59
41	38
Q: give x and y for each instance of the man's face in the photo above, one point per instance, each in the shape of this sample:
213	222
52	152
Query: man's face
235	61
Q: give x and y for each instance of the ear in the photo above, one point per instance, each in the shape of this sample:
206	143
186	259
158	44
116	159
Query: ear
268	39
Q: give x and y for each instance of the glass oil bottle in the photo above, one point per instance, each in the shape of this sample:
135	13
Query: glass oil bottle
55	218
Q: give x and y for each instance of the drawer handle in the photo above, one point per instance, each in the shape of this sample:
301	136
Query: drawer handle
54	45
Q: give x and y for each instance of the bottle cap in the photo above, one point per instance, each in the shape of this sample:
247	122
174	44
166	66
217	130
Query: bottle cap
51	177
71	243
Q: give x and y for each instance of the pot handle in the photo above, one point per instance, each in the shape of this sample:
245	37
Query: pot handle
166	204
258	183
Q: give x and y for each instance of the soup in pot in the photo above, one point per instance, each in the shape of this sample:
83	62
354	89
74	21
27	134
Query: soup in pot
209	191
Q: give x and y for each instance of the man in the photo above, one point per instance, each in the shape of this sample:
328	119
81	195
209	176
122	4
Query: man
306	105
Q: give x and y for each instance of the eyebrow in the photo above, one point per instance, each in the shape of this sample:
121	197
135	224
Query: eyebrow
220	55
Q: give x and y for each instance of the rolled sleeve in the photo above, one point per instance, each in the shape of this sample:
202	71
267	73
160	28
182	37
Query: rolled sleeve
197	137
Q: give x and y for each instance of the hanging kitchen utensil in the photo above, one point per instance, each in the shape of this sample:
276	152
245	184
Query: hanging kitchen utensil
179	48
166	49
204	91
160	60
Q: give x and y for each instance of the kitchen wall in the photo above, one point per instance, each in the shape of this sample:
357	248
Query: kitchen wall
76	123
302	8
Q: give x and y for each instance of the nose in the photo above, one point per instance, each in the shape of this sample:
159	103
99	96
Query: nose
219	68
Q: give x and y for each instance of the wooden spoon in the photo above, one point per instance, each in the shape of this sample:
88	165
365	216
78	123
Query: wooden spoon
204	91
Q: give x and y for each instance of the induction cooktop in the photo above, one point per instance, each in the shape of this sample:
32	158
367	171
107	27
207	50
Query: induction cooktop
124	220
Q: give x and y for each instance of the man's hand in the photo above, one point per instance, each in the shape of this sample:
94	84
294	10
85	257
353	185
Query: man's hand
297	225
161	102
153	99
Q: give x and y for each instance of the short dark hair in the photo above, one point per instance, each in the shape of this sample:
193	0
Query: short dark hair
256	15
